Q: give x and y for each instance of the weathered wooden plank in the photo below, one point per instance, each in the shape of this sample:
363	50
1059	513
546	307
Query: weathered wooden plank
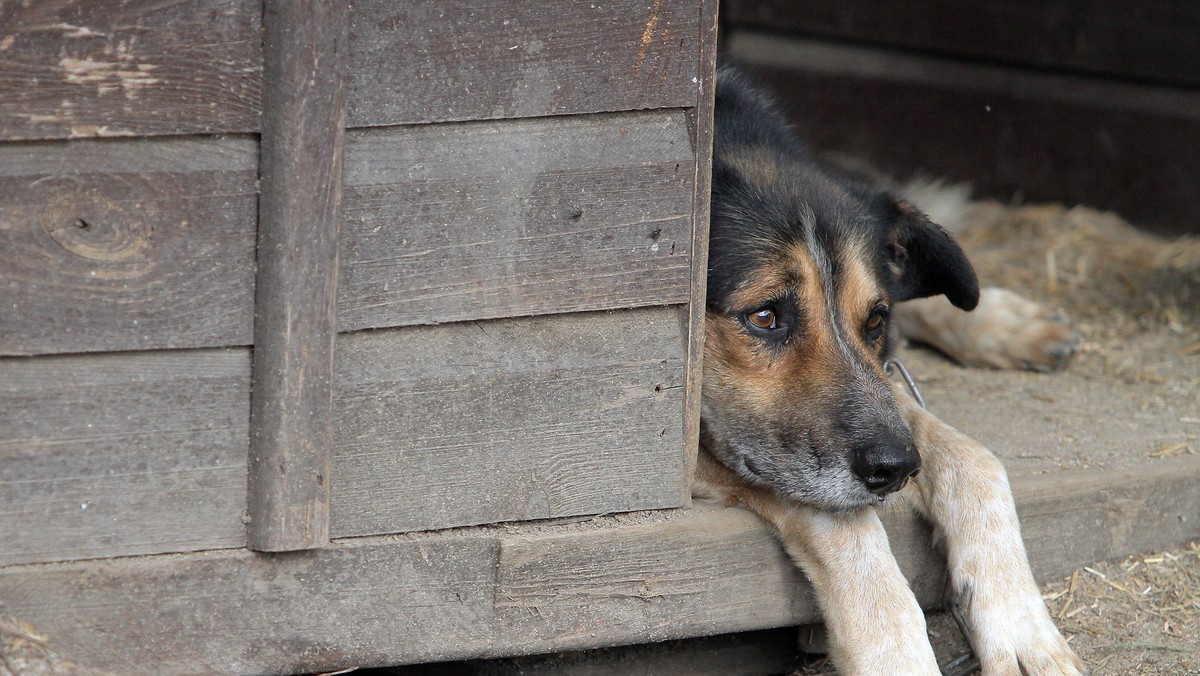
85	68
702	123
1007	132
113	455
242	612
1071	518
1151	40
516	218
489	592
646	579
126	245
469	60
291	412
508	420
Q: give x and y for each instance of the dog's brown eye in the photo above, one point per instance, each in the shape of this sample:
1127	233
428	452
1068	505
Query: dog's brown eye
763	319
875	322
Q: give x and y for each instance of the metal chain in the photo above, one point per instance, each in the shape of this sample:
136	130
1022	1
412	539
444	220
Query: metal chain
894	363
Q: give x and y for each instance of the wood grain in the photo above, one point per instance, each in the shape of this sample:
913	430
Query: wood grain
1157	40
508	420
115	455
516	218
299	208
87	68
522	589
1071	518
1008	133
245	612
468	60
126	245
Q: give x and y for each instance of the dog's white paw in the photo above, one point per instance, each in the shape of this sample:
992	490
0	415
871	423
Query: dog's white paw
1005	331
1013	635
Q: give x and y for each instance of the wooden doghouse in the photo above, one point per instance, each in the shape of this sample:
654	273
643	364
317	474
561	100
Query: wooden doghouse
290	293
347	334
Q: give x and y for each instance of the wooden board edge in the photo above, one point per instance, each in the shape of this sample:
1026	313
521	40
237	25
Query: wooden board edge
303	144
702	122
1072	518
1101	49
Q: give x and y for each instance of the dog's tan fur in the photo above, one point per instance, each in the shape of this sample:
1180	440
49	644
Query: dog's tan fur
875	624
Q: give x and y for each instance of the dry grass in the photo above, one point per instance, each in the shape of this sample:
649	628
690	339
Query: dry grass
1139	616
1092	260
1115	281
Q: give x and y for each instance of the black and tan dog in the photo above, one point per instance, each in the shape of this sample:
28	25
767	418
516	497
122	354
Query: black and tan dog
801	425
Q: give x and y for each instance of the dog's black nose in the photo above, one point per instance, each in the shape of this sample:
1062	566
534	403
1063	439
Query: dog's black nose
884	468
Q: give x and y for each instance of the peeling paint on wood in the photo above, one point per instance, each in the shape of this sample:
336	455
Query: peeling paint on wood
99	68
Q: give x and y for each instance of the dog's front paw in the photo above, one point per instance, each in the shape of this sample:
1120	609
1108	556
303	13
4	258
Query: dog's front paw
1012	633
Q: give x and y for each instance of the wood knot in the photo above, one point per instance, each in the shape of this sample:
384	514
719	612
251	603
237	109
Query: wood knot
94	227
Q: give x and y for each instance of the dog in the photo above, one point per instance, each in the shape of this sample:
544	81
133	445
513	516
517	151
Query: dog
800	423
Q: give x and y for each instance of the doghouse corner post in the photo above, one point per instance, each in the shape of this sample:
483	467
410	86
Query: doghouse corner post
291	418
700	123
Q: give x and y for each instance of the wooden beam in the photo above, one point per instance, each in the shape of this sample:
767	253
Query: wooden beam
702	135
530	588
299	214
1156	41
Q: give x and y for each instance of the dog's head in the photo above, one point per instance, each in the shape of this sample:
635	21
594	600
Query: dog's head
804	272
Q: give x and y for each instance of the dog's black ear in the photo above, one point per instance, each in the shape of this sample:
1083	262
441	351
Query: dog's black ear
924	259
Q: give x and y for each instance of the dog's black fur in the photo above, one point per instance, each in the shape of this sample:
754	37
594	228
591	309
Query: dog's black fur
818	424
